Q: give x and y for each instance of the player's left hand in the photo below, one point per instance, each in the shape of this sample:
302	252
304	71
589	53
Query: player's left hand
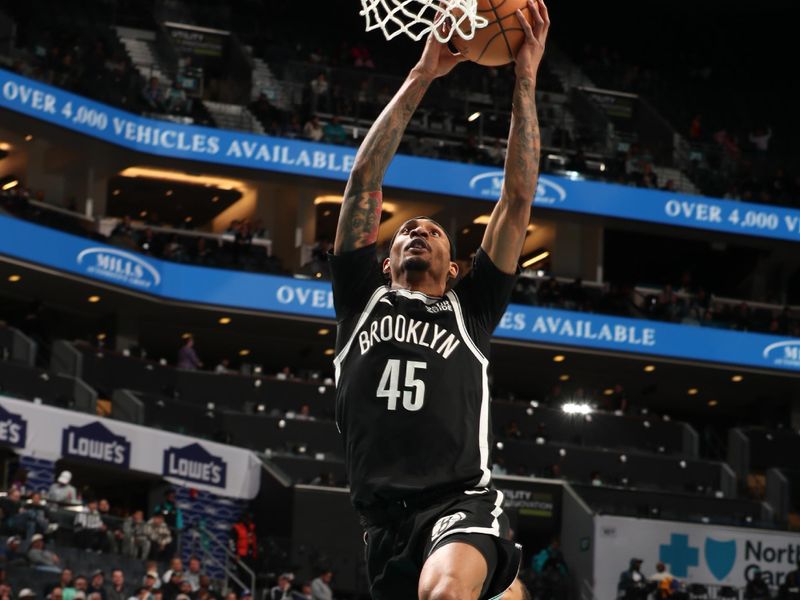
530	53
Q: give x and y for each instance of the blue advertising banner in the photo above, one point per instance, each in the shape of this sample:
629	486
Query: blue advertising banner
296	157
311	298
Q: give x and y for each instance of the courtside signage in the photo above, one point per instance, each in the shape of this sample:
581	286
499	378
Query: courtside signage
310	298
226	147
710	555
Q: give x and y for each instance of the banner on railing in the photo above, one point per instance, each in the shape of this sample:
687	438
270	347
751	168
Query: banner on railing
310	298
705	554
226	147
52	433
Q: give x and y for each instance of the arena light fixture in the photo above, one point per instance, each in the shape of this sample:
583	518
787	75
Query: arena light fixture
323	331
330	352
465	231
186	335
28	138
482	219
692	391
576	408
737	378
224	320
244	352
101	336
222	183
14	278
5	146
564	377
116	192
536	259
93	299
474	116
713	403
10	184
649	368
169	193
559	358
608	391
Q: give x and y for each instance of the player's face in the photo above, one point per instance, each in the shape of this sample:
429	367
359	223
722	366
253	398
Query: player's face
419	246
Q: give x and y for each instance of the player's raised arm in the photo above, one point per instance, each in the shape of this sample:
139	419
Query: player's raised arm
505	233
360	216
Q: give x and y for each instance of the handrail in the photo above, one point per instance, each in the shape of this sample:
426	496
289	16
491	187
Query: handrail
202	533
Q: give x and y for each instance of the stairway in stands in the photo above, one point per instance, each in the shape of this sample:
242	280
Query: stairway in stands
233	116
140	45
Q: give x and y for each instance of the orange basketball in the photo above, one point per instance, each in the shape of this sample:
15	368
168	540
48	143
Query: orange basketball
497	43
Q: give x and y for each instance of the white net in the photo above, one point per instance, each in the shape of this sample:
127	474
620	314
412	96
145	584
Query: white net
417	18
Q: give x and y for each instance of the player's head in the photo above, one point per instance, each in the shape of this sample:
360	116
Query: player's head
421	246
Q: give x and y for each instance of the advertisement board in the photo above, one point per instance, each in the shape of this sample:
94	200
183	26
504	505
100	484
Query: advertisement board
707	554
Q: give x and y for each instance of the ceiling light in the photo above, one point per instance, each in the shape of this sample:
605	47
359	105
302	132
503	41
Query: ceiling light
538	258
116	192
186	336
14	278
206	180
465	231
328	200
326	213
143	214
28	137
564	377
692	391
559	358
224	320
94	299
5	146
244	352
737	378
608	391
215	199
330	352
188	219
474	116
482	219
168	193
576	408
11	184
713	403
101	336
649	368
324	331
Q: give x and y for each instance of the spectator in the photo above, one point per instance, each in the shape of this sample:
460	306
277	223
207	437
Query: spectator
243	539
97	584
173	515
57	593
61	491
151	581
223	368
26	593
305	593
17	518
632	584
319	92
304	414
152	95
790	588
665	582
187	357
320	587
757	588
81	584
64	582
160	537
334	133
90	531
760	139
313	129
283	589
20	481
172	588
42	559
114	533
12	556
176	564
135	542
176	99
117	590
193	573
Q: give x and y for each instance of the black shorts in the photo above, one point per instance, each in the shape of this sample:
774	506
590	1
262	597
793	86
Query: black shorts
400	538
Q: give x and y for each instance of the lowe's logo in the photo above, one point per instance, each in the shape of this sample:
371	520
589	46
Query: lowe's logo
785	354
119	266
195	463
13	429
491	185
96	442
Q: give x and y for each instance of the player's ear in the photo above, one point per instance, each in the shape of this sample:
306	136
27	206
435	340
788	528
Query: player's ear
386	269
452	272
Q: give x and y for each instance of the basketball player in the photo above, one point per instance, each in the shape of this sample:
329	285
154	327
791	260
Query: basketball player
412	400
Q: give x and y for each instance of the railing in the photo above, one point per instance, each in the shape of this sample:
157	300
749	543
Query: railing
204	541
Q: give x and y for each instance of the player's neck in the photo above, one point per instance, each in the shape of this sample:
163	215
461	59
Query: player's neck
419	282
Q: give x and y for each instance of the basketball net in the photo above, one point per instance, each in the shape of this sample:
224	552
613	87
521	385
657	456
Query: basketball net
418	18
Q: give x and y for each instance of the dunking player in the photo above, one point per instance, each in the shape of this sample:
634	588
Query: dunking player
412	398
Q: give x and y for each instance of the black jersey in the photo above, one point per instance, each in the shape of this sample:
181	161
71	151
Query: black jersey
412	389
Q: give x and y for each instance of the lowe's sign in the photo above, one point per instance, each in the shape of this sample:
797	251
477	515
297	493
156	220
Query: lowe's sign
233	148
38	245
703	554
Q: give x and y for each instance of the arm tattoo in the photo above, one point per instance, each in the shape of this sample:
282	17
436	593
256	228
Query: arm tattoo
359	218
524	145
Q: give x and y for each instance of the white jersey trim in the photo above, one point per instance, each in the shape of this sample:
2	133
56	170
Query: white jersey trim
417	296
493	530
483	425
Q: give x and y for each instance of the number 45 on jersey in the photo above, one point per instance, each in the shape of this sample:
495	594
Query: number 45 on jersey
413	391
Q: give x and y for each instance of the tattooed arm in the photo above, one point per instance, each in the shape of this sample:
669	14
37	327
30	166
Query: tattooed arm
508	225
360	216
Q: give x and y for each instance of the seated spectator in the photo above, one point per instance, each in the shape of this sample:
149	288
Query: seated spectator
313	130
42	559
283	589
151	567
665	582
187	356
90	531
632	584
16	518
5	591
224	367
11	554
64	582
305	593
135	542
176	564
81	585
334	133
172	587
193	573
150	580
321	586
114	531
757	588
176	100
117	590
152	95
160	537
26	593
61	491
57	593
97	584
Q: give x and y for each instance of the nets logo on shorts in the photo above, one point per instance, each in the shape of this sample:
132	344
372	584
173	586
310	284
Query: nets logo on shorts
445	523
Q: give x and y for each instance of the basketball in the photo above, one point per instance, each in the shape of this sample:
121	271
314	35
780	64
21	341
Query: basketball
497	43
